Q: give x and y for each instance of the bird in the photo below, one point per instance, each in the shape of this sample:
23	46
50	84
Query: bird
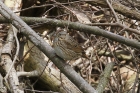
67	47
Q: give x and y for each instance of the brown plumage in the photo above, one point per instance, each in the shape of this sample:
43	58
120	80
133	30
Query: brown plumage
66	47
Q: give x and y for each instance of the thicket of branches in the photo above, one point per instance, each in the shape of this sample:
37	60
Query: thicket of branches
108	30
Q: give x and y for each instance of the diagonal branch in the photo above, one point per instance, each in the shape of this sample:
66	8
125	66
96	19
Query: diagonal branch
47	50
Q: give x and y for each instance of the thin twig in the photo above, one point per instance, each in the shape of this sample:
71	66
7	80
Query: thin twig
41	73
32	7
110	6
45	5
25	55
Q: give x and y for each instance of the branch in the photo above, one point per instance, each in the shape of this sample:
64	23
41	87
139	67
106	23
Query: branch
110	6
104	77
15	58
7	61
45	23
28	74
83	28
126	11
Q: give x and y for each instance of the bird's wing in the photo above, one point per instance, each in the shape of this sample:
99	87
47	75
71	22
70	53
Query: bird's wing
73	45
